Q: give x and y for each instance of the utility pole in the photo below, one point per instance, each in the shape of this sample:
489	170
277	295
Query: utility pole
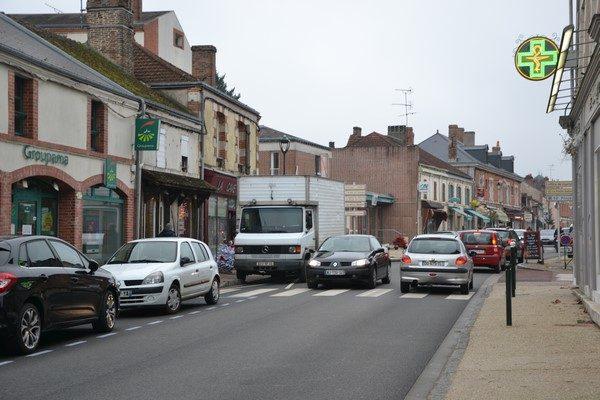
407	106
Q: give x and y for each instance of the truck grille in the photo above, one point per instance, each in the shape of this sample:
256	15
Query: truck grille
267	249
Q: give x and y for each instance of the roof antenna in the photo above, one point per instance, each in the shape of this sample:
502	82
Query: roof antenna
56	10
407	105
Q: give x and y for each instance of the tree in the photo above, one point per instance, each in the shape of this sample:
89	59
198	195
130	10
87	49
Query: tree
222	86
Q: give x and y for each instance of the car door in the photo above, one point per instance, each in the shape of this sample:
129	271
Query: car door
50	279
188	271
84	288
205	266
380	257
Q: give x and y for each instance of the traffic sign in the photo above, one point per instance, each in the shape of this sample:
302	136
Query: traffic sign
356	213
356	204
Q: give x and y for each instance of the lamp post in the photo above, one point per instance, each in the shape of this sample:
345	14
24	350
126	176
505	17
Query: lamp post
284	146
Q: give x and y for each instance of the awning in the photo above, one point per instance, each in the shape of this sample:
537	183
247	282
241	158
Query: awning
165	180
500	214
433	205
460	211
374	199
514	212
482	217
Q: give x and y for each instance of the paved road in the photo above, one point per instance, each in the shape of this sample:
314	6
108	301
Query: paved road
265	341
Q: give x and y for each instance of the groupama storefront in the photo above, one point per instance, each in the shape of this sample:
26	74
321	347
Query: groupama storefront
65	192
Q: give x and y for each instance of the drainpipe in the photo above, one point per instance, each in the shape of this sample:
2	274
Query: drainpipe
202	135
138	179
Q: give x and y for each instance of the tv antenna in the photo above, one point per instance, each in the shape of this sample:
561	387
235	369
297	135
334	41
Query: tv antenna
56	10
407	105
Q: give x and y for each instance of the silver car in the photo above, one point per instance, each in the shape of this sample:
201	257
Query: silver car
436	260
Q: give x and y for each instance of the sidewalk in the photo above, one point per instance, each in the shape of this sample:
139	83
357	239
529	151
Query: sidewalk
232	280
552	350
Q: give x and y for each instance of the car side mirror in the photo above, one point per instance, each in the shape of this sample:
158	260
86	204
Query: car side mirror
472	253
311	251
184	261
94	266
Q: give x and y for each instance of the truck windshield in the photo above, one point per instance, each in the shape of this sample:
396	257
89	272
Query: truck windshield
272	220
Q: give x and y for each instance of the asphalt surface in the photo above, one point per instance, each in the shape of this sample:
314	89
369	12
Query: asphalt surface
278	342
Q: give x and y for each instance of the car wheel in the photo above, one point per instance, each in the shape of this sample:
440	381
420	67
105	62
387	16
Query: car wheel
372	283
29	330
212	297
108	313
404	287
312	284
173	300
241	276
386	279
464	289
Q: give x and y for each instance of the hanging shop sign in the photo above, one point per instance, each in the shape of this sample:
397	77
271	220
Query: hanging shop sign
110	174
146	133
536	58
225	185
43	156
424	187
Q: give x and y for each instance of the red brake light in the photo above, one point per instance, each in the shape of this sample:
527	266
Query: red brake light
6	281
406	259
461	260
494	241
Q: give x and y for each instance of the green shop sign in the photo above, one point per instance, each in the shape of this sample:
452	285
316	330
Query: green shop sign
536	58
146	133
43	156
110	174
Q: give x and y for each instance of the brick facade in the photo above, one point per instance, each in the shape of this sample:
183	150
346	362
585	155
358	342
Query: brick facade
204	66
296	162
30	101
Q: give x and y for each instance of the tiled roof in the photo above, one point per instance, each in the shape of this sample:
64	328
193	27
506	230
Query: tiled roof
431	160
72	20
273	135
150	68
373	139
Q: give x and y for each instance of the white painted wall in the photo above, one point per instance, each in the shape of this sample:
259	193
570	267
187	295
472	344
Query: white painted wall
182	58
173	151
80	37
139	37
120	131
3	99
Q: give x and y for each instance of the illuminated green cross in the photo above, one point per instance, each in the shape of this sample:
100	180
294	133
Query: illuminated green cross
536	58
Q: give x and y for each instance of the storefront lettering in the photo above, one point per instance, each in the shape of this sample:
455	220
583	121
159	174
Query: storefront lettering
46	157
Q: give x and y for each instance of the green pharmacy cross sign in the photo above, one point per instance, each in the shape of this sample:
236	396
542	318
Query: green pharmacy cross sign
146	133
536	58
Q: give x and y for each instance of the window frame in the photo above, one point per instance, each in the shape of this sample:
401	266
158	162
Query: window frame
275	157
20	108
178	35
203	254
318	171
52	242
57	263
96	126
312	223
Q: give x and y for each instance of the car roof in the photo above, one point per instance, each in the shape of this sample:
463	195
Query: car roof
165	239
478	230
436	236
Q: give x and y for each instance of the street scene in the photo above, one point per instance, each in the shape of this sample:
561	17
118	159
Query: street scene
279	200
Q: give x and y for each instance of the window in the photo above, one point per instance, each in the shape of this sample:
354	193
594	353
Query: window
274	163
185	152
459	193
318	165
20	111
435	191
97	126
467	196
22	261
40	255
434	246
244	148
443	192
450	191
186	252
68	256
184	164
201	254
347	243
178	39
309	220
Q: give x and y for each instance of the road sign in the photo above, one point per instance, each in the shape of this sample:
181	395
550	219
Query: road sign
560	199
536	58
559	190
566	240
528	217
356	204
356	213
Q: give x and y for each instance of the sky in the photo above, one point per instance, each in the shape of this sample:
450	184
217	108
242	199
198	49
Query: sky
316	68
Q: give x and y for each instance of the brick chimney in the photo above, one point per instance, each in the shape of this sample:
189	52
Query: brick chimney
469	139
111	30
136	8
452	150
496	149
402	133
356	135
204	64
332	145
457	132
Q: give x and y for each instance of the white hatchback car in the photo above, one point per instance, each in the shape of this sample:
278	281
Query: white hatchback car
164	272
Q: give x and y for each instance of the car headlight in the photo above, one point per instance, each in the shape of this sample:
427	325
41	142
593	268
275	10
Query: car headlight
154	278
360	263
314	263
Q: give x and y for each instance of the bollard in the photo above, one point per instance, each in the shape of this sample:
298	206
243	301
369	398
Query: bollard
513	265
508	297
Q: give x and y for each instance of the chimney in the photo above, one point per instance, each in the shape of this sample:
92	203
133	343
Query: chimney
452	151
332	145
136	7
496	149
469	139
204	64
456	132
403	134
356	135
111	30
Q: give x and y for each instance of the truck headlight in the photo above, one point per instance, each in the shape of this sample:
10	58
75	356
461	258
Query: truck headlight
314	263
239	249
360	263
154	278
295	249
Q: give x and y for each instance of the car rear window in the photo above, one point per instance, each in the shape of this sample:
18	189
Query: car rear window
434	246
477	237
502	234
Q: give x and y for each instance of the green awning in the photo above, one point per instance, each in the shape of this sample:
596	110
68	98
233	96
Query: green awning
482	217
460	211
502	217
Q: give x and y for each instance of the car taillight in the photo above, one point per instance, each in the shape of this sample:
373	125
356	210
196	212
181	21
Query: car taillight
406	259
494	241
461	260
6	281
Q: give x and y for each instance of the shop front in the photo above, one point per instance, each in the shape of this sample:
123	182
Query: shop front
432	214
220	209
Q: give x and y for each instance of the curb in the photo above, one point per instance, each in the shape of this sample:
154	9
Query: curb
592	308
435	379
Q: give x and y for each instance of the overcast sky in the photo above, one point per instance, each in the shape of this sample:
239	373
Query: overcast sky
316	68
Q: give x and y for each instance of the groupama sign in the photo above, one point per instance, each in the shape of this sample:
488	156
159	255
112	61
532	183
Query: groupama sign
146	133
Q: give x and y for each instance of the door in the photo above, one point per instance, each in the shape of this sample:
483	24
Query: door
35	211
26	218
84	289
189	271
205	267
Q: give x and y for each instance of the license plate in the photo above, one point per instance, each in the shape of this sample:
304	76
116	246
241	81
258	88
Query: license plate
335	272
434	263
480	251
125	293
265	264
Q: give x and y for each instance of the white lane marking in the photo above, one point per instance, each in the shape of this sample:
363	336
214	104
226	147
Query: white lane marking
211	308
289	286
5	363
252	298
414	295
106	335
176	317
460	296
133	328
374	293
291	292
224	305
253	293
154	322
331	292
240	300
194	312
39	353
75	343
229	290
564	277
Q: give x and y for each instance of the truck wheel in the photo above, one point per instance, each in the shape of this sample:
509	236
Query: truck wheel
241	276
404	287
302	274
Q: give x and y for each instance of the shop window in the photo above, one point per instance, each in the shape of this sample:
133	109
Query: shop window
274	163
97	126
102	222
450	191
24	118
318	165
443	192
178	39
435	190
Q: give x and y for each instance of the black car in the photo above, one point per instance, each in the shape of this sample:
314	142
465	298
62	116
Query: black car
349	258
507	234
47	284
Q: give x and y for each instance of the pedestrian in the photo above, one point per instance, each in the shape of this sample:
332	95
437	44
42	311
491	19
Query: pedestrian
167	231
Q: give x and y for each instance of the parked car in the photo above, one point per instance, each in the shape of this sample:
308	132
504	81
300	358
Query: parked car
506	235
452	233
487	248
164	272
548	237
436	260
349	258
46	284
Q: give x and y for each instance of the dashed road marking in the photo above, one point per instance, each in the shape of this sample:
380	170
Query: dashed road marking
414	295
211	308
224	305
252	298
176	317
76	343
106	335
289	286
39	353
253	293
230	290
6	362
460	296
331	292
240	300
194	312
154	322
133	328
289	293
374	293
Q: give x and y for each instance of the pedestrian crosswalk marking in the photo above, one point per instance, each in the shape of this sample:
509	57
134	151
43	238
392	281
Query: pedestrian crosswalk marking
460	296
374	293
253	293
290	292
331	292
414	295
229	290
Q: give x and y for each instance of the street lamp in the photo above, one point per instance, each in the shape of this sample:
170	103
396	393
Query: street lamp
284	145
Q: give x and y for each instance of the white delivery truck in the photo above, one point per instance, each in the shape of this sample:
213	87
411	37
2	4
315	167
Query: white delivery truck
283	220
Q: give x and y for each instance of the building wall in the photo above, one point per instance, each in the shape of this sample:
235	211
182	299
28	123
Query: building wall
181	58
386	170
299	160
492	194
